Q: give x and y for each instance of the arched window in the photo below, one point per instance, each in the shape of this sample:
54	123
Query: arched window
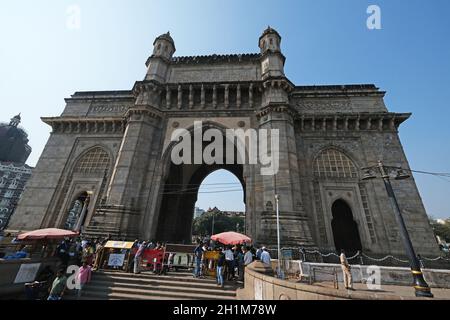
332	163
95	160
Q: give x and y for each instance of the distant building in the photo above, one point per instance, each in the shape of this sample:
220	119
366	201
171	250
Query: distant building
198	212
234	213
14	173
14	142
227	213
13	177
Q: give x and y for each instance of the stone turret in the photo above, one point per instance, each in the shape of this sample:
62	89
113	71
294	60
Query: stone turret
158	63
14	142
272	60
15	121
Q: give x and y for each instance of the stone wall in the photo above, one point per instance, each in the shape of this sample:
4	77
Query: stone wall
261	285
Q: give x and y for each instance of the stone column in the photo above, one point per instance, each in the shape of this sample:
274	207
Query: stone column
286	183
191	97
202	97
168	102
250	96
214	96
180	97
238	96
276	114
226	98
133	158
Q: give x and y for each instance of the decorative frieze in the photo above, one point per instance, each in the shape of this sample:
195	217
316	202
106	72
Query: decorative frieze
86	126
192	96
108	109
352	122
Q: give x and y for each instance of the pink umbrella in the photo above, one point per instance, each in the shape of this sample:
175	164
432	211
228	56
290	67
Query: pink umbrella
51	233
231	238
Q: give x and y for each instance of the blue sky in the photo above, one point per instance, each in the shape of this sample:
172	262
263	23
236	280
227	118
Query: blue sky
325	42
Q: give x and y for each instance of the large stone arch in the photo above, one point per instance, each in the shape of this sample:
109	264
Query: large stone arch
177	205
92	167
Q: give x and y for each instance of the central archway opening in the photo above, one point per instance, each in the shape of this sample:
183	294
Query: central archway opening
220	205
182	187
180	196
345	230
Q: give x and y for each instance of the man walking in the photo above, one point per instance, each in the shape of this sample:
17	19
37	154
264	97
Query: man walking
229	260
248	256
198	253
220	265
58	287
265	257
138	258
347	272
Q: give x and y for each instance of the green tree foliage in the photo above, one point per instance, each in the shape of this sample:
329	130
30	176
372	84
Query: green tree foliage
202	225
441	230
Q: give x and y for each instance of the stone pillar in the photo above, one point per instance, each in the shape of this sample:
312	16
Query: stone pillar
214	96
238	96
191	97
202	97
276	114
226	97
286	183
250	96
168	102
133	158
180	97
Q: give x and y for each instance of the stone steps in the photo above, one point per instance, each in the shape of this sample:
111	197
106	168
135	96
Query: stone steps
173	287
112	285
174	276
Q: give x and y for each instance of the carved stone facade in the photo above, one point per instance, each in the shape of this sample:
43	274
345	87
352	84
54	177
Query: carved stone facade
327	134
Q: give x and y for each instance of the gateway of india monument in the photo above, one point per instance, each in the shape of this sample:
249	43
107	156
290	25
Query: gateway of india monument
107	170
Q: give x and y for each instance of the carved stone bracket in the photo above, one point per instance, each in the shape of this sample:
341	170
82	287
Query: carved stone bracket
352	122
86	126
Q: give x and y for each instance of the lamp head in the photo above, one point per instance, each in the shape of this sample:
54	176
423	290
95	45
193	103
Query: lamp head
402	175
368	175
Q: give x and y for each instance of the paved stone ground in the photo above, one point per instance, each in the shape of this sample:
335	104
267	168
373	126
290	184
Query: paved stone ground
402	291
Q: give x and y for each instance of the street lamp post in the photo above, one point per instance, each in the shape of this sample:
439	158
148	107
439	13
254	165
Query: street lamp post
212	227
277	199
421	287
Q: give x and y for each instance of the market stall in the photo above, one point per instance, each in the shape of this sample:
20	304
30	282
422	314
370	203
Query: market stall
116	255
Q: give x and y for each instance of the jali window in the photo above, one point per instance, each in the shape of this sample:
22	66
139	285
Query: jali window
332	163
95	160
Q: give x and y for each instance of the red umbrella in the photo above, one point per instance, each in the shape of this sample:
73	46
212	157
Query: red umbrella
231	238
51	233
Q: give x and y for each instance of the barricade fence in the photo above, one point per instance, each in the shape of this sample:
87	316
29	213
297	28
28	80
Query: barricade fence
291	257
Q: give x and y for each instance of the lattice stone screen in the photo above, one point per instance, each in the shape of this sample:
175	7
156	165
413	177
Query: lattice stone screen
332	163
94	161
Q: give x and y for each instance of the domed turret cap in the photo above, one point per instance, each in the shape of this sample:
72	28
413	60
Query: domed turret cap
268	31
167	37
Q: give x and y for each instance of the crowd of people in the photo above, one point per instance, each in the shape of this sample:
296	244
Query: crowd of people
231	261
90	255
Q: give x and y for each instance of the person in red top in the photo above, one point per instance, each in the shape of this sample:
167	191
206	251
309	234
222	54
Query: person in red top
83	276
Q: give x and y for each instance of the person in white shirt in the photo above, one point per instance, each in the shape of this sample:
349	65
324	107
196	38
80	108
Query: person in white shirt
265	257
248	257
229	261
